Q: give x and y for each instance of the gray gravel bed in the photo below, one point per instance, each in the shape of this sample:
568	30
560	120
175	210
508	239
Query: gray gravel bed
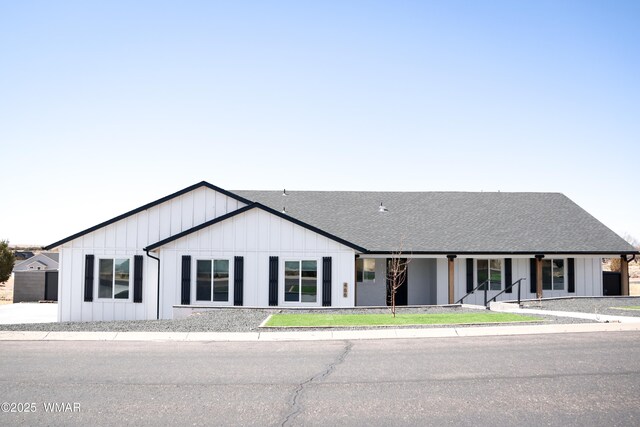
589	305
238	320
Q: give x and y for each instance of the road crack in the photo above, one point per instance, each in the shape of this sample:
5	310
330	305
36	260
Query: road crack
296	407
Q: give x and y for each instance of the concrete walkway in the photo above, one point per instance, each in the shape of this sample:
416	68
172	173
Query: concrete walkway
319	335
505	307
27	312
44	313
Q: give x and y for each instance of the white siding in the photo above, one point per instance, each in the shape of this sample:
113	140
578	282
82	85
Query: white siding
443	280
127	238
256	235
422	283
374	293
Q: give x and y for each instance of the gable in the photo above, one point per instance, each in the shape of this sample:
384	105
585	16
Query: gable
158	220
37	262
255	227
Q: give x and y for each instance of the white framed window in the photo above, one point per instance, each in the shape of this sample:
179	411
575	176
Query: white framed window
365	270
212	280
553	274
114	278
301	281
489	270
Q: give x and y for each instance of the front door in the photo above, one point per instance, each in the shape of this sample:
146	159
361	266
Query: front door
611	283
402	294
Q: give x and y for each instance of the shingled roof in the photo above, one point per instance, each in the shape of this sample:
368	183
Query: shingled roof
450	222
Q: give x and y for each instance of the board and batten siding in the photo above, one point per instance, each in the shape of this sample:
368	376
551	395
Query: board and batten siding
255	235
588	279
126	238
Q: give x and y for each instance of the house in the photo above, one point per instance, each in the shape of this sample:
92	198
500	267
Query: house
22	255
206	246
36	278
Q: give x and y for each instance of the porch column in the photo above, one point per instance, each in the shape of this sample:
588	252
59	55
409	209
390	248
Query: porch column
624	275
539	276
450	259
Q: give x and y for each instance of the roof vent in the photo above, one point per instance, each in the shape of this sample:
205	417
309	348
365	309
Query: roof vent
284	210
382	208
284	192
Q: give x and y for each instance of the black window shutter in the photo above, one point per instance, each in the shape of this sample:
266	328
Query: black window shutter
533	273
326	281
273	280
507	275
469	274
571	276
88	277
238	280
137	278
186	280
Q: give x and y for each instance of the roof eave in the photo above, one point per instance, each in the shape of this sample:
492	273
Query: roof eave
408	252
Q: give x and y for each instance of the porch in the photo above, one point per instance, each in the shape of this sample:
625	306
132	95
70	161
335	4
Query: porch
445	279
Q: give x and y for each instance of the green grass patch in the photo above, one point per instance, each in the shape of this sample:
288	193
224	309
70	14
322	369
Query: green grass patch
331	320
627	307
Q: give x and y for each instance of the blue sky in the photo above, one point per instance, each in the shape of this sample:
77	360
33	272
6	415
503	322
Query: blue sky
105	106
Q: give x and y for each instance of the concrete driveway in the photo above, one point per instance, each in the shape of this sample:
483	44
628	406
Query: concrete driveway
28	313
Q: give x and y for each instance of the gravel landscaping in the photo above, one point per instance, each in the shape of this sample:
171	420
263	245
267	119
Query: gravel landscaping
588	305
242	320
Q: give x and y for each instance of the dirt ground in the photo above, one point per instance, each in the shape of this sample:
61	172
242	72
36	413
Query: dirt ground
6	291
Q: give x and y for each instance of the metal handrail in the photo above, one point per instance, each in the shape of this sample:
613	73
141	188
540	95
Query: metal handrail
486	282
486	289
506	289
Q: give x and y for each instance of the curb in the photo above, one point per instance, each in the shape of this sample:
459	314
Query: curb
318	335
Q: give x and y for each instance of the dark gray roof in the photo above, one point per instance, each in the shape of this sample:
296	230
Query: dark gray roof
450	222
53	255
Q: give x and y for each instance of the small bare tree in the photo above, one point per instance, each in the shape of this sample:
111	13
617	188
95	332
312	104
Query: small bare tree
396	276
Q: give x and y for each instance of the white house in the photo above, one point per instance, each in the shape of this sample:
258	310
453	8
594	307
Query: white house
206	246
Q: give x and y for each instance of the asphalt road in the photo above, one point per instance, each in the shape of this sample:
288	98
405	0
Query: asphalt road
563	380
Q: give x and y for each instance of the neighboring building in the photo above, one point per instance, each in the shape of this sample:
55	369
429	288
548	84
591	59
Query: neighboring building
22	255
36	278
207	246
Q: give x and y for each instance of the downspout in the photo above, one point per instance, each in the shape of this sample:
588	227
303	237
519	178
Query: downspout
158	298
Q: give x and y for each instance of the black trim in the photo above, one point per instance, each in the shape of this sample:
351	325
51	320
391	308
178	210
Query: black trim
238	280
571	275
506	252
508	275
137	278
186	280
326	281
469	275
244	209
158	286
148	206
89	266
533	273
273	280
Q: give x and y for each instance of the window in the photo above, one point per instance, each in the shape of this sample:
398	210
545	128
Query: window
300	281
553	274
489	270
113	278
212	280
365	270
